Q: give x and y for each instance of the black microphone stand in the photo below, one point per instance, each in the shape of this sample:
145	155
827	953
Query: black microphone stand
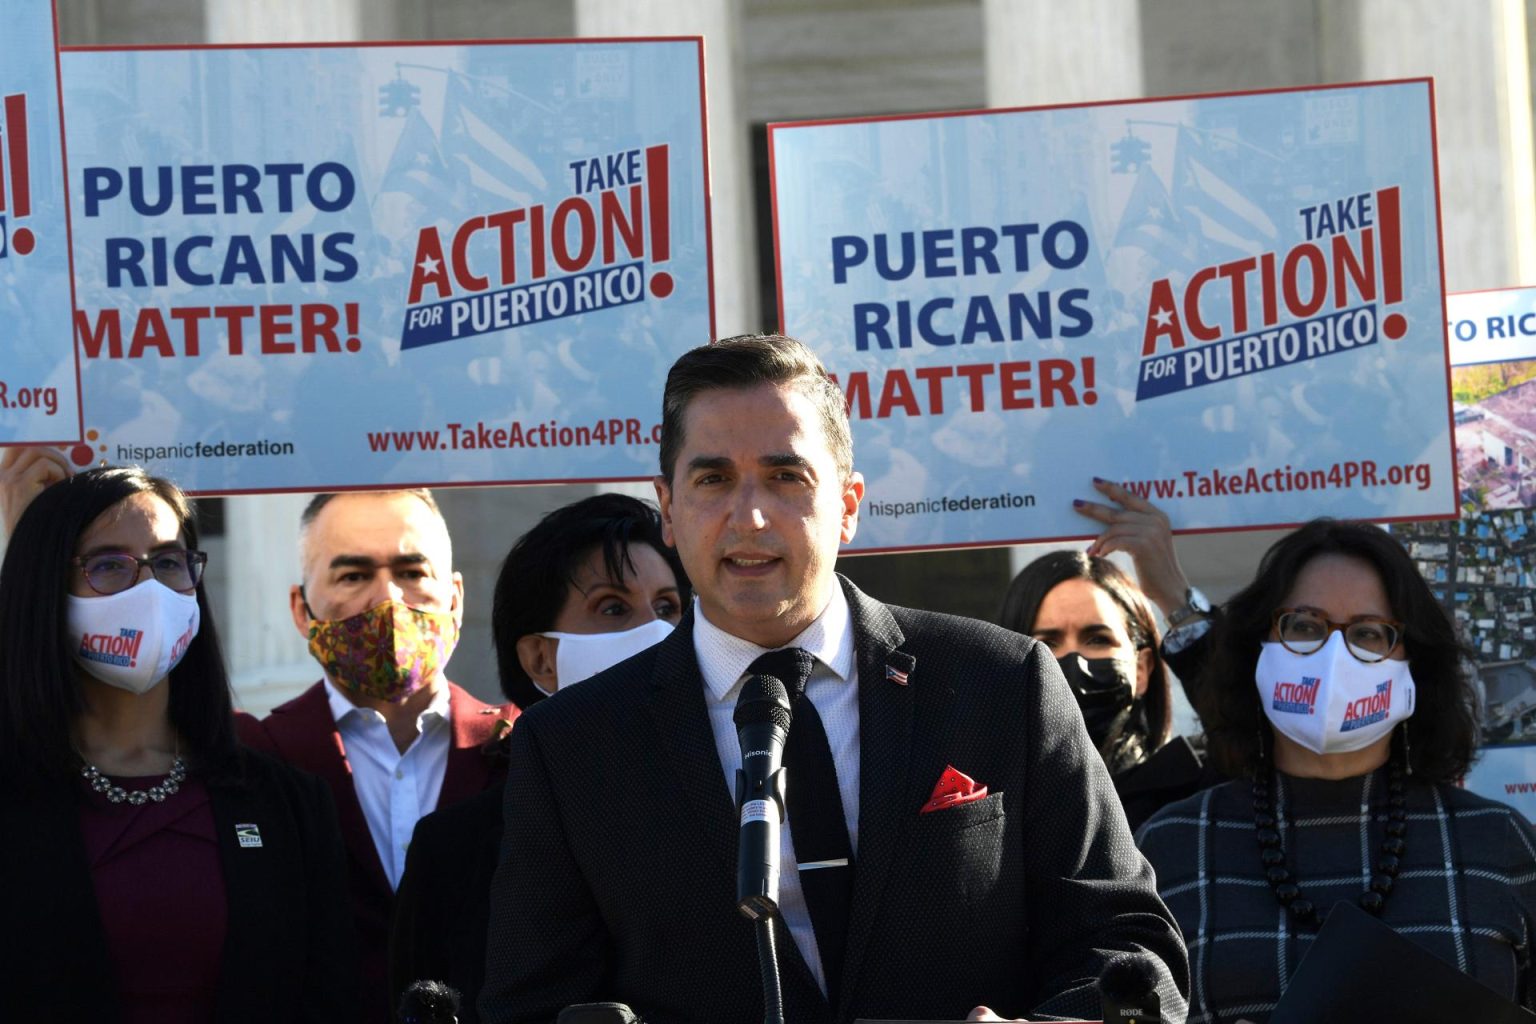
762	722
763	909
768	960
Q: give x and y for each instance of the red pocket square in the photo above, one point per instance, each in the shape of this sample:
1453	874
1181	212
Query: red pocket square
954	788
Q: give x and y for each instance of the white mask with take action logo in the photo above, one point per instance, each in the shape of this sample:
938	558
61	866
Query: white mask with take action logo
583	655
1329	701
133	639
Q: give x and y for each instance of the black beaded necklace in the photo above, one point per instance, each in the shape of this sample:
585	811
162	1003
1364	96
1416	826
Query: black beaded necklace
1272	853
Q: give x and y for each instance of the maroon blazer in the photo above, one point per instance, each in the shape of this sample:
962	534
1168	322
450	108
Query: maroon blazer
303	733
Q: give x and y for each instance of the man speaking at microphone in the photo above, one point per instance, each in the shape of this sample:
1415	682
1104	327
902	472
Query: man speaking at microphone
952	838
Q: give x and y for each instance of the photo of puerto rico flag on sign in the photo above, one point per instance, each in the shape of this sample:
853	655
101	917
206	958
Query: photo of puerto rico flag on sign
322	267
1232	304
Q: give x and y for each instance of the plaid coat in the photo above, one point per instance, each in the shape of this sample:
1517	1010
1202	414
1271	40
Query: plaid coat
1466	890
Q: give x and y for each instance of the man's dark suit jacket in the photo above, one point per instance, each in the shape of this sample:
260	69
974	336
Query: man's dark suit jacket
288	948
442	908
303	733
617	878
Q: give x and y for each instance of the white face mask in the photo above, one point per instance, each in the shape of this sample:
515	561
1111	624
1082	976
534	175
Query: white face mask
1329	701
583	655
132	640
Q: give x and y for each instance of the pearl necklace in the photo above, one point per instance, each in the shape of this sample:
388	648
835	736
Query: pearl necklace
117	794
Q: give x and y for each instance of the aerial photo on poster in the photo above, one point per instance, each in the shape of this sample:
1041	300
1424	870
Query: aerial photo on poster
1483	566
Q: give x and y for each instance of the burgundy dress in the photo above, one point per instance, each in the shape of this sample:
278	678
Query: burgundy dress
160	892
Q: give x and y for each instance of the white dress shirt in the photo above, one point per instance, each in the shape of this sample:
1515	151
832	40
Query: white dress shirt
396	790
834	688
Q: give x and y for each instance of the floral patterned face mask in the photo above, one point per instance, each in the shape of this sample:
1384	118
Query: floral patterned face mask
386	652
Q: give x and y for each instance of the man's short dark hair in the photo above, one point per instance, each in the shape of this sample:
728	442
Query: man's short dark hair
747	361
318	502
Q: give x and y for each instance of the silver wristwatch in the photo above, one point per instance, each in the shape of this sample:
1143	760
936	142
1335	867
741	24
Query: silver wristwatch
1196	606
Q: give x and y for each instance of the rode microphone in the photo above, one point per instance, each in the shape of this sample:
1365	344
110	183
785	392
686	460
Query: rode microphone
429	1002
762	726
1128	991
598	1013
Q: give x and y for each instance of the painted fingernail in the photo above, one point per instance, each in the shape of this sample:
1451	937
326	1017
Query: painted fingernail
1078	503
1100	480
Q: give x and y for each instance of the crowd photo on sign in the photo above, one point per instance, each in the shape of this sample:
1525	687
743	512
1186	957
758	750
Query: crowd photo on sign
861	513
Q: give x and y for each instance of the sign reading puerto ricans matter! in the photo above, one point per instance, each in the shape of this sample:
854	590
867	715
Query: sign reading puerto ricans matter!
1233	304
39	390
323	267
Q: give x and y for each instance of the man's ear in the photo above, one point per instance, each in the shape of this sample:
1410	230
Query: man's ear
458	599
853	493
537	656
664	502
297	610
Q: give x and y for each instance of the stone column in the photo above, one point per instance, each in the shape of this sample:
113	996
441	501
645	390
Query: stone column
284	21
1040	51
1477	53
730	168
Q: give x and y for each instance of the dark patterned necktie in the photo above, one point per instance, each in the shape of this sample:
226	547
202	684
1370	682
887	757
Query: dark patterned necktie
817	828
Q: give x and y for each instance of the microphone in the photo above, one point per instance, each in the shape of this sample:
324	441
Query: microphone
762	726
598	1013
429	1002
1128	991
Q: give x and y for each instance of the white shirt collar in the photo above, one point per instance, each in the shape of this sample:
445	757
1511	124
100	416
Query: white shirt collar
342	708
724	658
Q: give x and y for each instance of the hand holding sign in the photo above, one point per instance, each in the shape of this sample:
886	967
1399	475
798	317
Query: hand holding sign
1142	530
24	473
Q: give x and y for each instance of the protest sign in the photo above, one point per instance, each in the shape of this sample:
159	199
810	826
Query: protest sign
1483	566
39	389
1231	303
323	267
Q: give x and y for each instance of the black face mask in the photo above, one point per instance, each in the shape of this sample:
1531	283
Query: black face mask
1107	697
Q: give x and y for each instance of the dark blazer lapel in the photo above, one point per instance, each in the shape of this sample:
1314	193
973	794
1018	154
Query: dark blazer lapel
305	735
470	767
688	743
885	744
250	879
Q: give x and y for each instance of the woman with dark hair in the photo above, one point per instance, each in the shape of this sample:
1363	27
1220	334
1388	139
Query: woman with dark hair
158	871
1336	695
591	584
1101	630
1100	627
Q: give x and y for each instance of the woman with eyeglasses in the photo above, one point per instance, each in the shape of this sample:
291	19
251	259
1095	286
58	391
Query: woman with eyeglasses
1336	698
155	870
